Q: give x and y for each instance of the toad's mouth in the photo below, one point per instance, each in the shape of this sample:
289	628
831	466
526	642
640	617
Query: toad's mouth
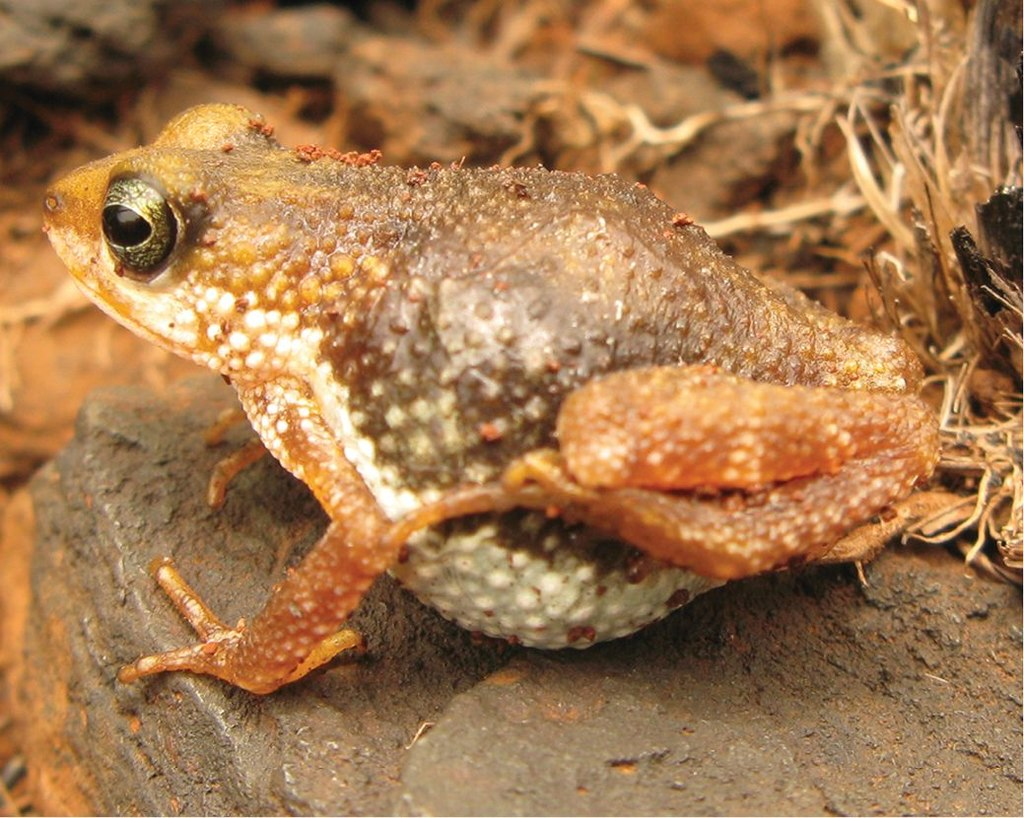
95	274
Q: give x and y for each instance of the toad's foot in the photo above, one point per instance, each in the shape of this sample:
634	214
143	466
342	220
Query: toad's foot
912	513
220	644
230	466
301	625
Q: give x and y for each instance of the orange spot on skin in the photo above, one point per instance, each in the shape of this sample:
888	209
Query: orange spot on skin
581	632
311	153
261	127
638	567
490	432
415	177
361	160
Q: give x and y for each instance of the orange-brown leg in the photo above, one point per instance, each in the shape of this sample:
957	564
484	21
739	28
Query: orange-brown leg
216	431
697	426
215	636
294	634
297	630
718	474
229	467
300	627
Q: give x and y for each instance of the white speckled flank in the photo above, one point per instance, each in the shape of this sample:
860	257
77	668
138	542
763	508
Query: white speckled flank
545	596
360	451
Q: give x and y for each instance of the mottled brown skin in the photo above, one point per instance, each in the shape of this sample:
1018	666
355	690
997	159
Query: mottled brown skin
404	342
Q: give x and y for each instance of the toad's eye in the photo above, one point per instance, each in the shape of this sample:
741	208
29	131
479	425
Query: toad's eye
139	225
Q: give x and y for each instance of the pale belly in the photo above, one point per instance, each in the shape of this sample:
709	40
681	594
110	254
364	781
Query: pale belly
538	583
518	576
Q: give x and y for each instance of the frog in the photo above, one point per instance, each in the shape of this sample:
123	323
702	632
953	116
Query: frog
548	404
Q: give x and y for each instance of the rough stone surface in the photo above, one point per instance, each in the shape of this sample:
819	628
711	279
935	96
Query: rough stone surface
791	693
290	42
130	488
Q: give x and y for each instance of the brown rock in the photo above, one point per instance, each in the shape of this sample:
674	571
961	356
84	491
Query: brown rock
96	47
725	166
289	42
130	488
421	103
789	693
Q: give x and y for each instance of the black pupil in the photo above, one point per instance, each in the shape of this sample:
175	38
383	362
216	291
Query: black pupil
124	226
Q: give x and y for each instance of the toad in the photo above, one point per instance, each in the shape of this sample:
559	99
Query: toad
552	408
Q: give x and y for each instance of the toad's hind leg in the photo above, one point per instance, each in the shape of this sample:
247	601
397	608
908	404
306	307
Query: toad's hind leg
730	477
716	473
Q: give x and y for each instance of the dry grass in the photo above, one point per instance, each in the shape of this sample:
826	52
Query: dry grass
927	150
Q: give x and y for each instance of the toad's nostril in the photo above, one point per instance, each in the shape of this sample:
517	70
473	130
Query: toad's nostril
53	203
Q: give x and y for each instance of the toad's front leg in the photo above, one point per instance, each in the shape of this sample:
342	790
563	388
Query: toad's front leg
298	628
